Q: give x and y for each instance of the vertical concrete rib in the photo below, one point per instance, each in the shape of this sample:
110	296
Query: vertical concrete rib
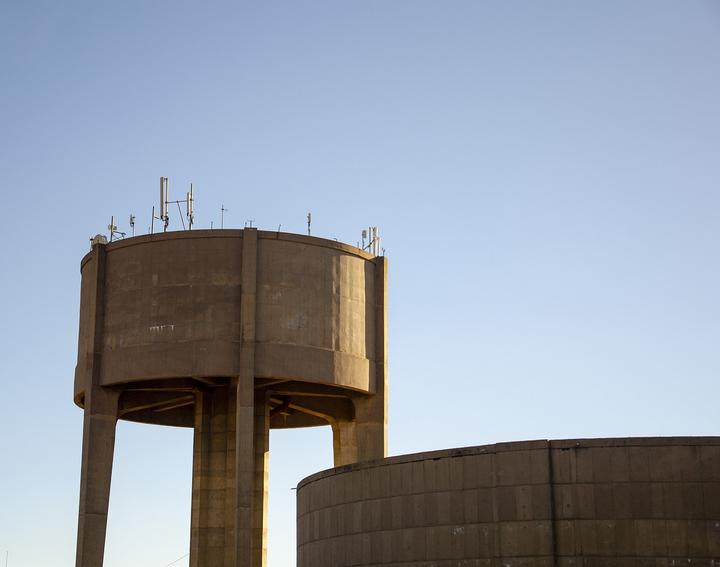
101	409
365	438
551	498
371	412
381	346
252	426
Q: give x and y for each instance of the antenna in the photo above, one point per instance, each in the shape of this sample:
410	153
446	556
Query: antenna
165	201
248	223
132	223
309	221
222	216
189	202
164	194
114	229
372	234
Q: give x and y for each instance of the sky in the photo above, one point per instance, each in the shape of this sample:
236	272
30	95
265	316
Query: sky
545	176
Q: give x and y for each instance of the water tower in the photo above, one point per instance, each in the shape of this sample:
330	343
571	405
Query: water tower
232	333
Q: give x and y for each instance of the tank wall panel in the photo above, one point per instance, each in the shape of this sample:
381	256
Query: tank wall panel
587	502
172	309
315	296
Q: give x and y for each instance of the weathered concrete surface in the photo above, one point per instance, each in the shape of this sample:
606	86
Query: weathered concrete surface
603	502
231	332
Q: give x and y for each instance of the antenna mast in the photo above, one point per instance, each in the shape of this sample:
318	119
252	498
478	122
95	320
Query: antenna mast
373	240
190	212
114	229
165	201
164	193
309	221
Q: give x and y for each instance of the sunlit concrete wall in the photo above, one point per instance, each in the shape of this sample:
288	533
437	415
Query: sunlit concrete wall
603	502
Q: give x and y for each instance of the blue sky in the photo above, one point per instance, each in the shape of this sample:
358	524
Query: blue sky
546	176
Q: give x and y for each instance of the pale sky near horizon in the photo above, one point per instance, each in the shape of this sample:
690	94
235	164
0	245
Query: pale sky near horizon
546	176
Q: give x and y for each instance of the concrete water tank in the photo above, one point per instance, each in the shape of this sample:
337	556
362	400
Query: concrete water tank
231	332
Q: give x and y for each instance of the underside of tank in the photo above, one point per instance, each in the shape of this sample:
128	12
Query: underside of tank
292	403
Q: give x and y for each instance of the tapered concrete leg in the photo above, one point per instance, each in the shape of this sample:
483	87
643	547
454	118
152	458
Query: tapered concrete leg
96	472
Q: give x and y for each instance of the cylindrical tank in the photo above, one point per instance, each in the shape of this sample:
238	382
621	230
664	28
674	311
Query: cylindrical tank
581	503
172	306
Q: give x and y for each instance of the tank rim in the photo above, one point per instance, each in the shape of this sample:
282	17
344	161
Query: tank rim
231	233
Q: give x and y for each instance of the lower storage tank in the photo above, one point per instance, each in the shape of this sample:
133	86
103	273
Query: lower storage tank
587	502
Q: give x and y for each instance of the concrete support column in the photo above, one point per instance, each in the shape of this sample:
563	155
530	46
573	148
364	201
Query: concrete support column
212	528
229	495
252	441
365	438
253	426
96	472
260	485
100	417
345	450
